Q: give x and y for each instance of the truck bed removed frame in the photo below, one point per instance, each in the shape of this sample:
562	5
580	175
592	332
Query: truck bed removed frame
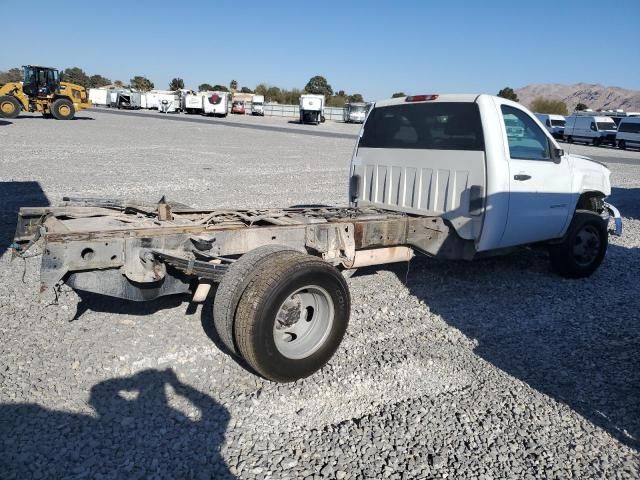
139	251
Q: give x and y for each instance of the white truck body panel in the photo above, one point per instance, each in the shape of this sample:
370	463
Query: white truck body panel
314	103
99	96
494	193
193	101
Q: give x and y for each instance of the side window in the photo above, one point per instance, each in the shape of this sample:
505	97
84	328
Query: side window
526	140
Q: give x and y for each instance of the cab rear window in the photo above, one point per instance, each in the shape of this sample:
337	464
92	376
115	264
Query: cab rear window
430	126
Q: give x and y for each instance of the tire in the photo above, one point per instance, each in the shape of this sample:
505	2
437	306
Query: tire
583	248
622	144
570	139
9	106
232	287
292	316
62	109
322	119
596	142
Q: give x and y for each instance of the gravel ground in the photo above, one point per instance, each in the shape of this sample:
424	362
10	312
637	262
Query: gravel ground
495	369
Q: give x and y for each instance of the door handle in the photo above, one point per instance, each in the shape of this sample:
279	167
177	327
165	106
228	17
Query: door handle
521	177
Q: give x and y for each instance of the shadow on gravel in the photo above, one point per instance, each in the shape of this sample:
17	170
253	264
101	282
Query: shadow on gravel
102	303
627	200
135	433
576	341
42	117
14	195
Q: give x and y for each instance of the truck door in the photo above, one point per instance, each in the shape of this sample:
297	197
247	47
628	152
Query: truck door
539	186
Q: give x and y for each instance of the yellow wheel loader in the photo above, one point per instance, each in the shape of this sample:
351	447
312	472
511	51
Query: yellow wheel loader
42	91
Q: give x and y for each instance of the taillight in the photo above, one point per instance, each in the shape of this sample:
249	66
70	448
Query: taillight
420	98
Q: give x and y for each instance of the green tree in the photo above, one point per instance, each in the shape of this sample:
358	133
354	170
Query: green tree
261	89
509	94
233	85
274	94
356	97
220	88
580	107
118	83
10	76
341	93
319	86
75	75
97	81
176	84
548	105
245	90
142	84
398	95
205	87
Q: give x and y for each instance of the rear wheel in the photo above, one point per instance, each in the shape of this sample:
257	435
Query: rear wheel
570	139
292	316
584	247
232	287
9	106
62	109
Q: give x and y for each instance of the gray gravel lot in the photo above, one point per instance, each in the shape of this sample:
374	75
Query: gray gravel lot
495	369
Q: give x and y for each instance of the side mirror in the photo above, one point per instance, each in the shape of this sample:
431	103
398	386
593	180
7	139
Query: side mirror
556	154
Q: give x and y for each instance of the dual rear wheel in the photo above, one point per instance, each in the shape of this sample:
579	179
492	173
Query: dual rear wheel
285	312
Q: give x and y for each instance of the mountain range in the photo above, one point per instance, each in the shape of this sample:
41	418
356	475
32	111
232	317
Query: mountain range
594	96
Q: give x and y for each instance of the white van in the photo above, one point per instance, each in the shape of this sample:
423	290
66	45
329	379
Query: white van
257	105
590	129
216	103
628	133
553	123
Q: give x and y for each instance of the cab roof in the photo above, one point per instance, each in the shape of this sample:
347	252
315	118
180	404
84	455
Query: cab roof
448	97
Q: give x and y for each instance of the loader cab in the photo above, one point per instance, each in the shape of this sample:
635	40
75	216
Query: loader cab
40	81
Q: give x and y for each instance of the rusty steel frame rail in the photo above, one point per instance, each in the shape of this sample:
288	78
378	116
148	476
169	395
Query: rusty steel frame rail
117	248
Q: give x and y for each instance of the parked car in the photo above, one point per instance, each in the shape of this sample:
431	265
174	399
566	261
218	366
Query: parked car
590	129
238	107
628	133
553	123
354	112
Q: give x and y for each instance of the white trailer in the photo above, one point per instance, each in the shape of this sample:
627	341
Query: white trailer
99	96
192	102
312	108
216	103
163	100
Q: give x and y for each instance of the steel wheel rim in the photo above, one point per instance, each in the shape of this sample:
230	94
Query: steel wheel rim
64	110
7	107
587	245
303	322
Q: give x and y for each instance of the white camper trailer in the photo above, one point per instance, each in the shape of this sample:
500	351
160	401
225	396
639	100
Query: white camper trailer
216	103
192	102
312	109
169	101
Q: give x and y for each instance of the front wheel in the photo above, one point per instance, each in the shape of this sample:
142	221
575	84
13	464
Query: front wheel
292	316
622	145
584	247
62	109
9	107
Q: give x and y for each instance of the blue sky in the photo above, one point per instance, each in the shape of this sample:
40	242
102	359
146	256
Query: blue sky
374	48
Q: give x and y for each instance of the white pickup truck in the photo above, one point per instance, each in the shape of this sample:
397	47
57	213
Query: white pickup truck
440	175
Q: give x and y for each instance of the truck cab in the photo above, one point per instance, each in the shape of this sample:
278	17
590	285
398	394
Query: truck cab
257	105
354	112
485	164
